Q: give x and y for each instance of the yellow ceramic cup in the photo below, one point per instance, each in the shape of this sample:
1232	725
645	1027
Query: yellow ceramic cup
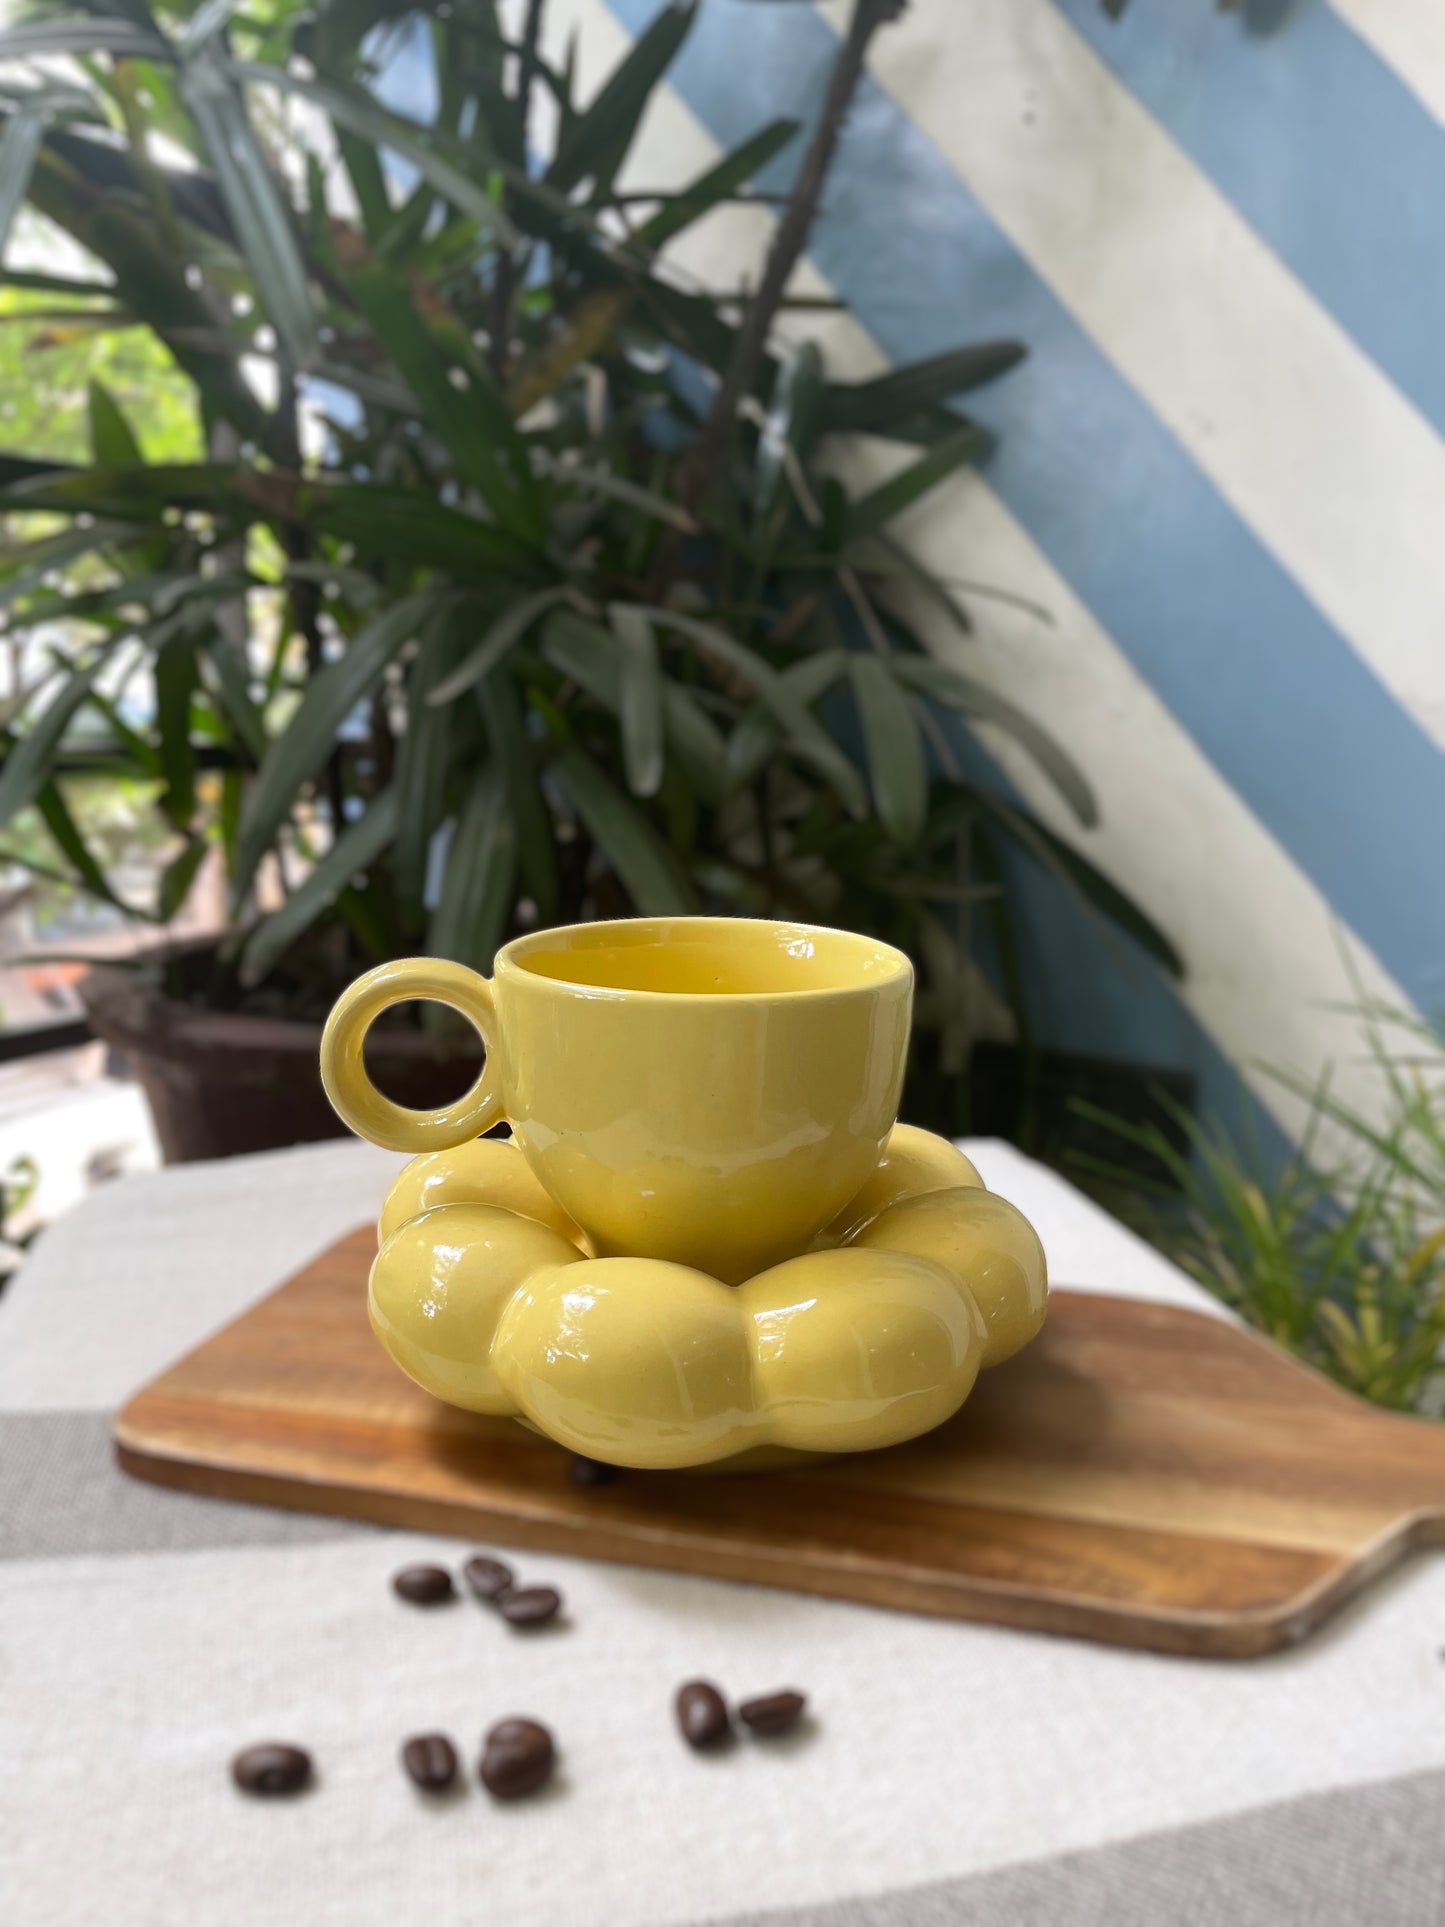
709	1090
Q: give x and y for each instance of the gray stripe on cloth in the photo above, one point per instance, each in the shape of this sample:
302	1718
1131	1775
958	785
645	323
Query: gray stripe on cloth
62	1493
1373	1853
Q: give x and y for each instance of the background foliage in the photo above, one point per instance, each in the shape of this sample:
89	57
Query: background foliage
460	566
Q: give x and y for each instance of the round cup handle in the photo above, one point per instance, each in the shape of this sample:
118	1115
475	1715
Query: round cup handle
356	1099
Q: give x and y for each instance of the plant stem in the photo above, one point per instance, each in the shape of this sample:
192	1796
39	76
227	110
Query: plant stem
789	241
501	328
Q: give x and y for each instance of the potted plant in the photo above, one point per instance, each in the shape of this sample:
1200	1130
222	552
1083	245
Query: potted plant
511	579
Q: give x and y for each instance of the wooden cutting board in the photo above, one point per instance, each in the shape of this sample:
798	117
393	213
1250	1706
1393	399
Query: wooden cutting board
1141	1475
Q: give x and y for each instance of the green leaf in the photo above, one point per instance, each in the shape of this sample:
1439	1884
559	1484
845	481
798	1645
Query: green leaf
175	678
875	510
470	418
896	763
361	114
205	23
875	407
112	440
20	143
27	767
421	765
717	184
536	846
476	893
36	560
509	628
697	742
947	685
594	145
641	698
642	861
1083	880
86	34
237	702
298	753
757	736
790	426
178	876
258	213
809	738
356	849
62	826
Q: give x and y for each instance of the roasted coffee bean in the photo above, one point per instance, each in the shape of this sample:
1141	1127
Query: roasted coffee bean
517	1759
271	1768
702	1713
773	1713
431	1760
592	1471
423	1585
530	1605
488	1578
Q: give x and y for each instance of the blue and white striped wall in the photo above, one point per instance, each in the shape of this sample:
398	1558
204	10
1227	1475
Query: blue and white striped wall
1221	469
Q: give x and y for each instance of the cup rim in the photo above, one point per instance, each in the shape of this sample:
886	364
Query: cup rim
509	961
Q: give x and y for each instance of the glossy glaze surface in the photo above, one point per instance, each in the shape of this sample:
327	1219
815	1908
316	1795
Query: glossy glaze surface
705	1091
651	1363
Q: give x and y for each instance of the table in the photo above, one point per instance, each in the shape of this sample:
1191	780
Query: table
955	1773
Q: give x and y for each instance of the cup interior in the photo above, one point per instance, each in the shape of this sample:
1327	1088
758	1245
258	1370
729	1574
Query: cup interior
708	957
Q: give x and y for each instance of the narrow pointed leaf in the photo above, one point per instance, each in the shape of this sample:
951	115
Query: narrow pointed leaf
296	755
594	145
112	439
83	34
178	876
949	686
717	184
175	677
29	760
874	407
356	849
19	145
642	861
790	426
362	115
757	736
476	894
875	510
1083	880
237	701
897	767
421	764
63	827
536	846
809	737
508	630
641	698
258	213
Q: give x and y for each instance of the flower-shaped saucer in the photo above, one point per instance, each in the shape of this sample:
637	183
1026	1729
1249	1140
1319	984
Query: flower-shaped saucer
489	1297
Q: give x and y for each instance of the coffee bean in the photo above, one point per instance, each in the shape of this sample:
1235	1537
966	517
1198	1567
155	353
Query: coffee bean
773	1713
517	1759
488	1578
271	1768
423	1585
702	1713
530	1605
592	1471
431	1760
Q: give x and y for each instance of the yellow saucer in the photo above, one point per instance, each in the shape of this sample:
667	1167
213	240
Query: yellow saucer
487	1295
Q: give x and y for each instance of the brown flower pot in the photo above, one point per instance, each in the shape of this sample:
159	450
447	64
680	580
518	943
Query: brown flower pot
222	1082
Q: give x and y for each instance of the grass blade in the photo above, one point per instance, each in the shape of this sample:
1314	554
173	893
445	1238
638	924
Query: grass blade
19	145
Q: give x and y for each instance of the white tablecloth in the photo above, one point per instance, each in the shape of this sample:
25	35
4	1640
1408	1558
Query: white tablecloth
954	1773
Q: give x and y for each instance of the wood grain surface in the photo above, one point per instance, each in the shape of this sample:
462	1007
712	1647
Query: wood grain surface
1141	1475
